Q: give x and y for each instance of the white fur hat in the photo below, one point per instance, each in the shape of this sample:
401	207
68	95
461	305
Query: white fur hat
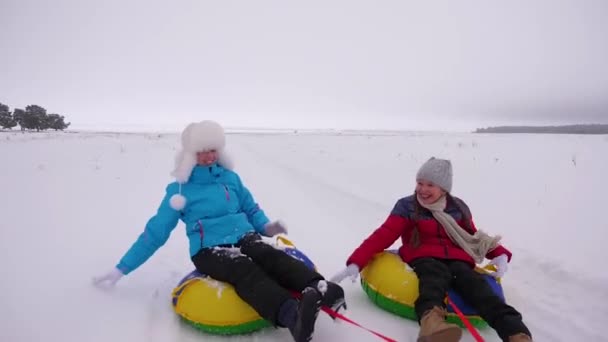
197	137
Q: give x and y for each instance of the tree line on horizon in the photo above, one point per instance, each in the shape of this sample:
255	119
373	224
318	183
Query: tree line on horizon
565	129
33	117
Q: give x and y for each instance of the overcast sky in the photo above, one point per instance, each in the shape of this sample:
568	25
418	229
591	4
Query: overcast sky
311	64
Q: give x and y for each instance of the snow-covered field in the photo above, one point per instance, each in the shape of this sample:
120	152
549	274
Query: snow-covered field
72	203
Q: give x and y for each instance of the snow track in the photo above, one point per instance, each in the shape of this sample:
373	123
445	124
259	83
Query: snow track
73	203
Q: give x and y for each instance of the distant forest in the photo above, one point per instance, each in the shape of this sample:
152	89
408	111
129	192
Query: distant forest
33	117
567	129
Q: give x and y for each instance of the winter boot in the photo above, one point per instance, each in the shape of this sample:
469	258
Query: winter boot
433	327
308	310
521	337
332	293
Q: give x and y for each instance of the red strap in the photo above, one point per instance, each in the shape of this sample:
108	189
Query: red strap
335	314
466	322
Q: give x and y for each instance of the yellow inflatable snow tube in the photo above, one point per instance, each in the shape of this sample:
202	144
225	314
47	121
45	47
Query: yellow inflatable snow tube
392	285
214	307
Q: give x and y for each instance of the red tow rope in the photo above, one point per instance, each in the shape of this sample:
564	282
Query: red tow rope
335	314
466	322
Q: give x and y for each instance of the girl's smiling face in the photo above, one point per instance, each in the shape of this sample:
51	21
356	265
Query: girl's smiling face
206	157
428	192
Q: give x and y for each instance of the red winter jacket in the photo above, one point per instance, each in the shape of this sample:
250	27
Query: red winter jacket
434	241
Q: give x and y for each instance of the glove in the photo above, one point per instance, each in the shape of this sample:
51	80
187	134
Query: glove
108	280
273	228
351	271
502	264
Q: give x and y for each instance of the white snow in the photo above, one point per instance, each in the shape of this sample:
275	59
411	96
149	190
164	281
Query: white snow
72	203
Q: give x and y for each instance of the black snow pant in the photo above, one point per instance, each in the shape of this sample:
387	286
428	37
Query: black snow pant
436	276
261	274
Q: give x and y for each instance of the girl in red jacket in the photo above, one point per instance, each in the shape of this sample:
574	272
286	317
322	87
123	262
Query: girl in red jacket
442	245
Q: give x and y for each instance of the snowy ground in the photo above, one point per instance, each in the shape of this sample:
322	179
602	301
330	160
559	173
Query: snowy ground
72	203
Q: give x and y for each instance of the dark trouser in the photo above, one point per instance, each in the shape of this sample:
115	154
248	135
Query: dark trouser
436	276
262	277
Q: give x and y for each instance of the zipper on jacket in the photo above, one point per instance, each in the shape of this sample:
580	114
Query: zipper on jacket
200	231
226	192
441	242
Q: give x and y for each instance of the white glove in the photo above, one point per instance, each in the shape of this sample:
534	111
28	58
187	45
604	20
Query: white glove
502	264
351	271
273	228
108	280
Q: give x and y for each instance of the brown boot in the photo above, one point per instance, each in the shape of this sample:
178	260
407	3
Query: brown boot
521	337
433	327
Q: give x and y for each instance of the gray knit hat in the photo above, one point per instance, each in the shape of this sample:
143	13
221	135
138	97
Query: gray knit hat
437	171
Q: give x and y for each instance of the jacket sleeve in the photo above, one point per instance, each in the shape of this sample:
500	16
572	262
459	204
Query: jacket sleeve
382	238
496	251
156	233
255	214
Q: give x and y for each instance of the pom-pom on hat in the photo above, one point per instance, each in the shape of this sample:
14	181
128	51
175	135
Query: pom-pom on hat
437	171
197	137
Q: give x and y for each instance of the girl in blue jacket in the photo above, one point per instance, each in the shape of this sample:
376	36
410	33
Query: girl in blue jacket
220	215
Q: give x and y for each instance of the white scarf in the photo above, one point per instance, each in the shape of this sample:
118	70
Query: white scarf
476	245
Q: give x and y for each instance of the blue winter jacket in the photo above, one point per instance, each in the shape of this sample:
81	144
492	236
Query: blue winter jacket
219	210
